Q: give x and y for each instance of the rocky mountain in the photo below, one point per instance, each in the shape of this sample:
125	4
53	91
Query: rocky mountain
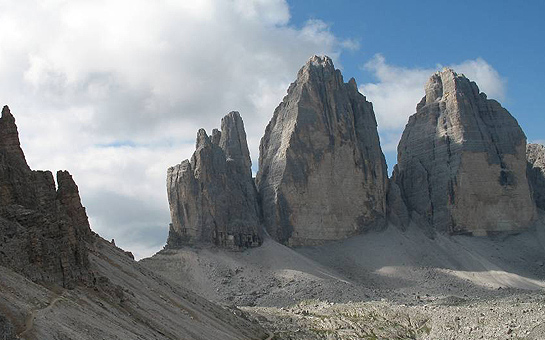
322	175
44	228
213	198
462	161
59	280
535	153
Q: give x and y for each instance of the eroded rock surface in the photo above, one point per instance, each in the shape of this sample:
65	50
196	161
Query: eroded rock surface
7	331
398	214
322	175
43	230
535	154
213	198
462	161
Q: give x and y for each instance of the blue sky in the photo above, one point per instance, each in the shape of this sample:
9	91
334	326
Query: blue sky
509	35
115	90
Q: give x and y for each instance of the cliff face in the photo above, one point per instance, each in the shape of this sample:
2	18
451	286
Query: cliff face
44	229
322	175
213	198
535	154
462	161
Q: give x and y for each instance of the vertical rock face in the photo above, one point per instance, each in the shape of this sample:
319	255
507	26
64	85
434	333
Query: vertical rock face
43	230
213	198
322	175
398	214
462	161
535	154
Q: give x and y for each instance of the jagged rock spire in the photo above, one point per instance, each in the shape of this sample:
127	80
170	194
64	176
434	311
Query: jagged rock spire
322	175
462	161
9	139
212	198
233	141
47	228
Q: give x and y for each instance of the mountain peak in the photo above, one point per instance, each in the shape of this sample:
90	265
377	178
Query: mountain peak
319	69
447	82
6	113
320	61
9	139
467	155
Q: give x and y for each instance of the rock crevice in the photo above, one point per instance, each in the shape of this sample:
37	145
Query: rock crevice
535	154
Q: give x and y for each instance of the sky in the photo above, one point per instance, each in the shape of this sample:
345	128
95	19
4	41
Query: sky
115	90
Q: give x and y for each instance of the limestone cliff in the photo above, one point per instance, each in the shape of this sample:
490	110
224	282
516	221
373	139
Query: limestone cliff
322	175
535	154
213	198
462	161
44	230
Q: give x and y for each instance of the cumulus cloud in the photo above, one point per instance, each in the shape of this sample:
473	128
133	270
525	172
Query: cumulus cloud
398	89
114	91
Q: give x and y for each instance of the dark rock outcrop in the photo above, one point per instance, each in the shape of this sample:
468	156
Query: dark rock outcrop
462	161
535	154
43	230
213	198
7	331
322	175
398	214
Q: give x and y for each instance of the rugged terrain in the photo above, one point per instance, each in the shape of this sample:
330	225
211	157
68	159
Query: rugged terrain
59	280
463	253
451	247
381	285
129	302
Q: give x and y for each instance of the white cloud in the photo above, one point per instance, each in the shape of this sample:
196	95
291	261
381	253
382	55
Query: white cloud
399	89
115	90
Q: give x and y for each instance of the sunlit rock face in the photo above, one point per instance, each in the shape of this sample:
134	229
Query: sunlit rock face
322	174
44	229
462	161
535	154
212	198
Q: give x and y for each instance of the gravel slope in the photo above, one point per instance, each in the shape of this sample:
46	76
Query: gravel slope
456	287
132	303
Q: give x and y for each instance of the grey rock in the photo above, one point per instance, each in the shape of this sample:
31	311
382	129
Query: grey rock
7	331
535	154
43	230
398	214
462	161
213	198
322	175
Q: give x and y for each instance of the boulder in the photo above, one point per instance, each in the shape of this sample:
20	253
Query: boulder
462	162
535	154
322	174
213	198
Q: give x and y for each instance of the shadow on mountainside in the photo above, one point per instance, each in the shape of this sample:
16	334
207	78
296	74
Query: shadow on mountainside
399	260
405	266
